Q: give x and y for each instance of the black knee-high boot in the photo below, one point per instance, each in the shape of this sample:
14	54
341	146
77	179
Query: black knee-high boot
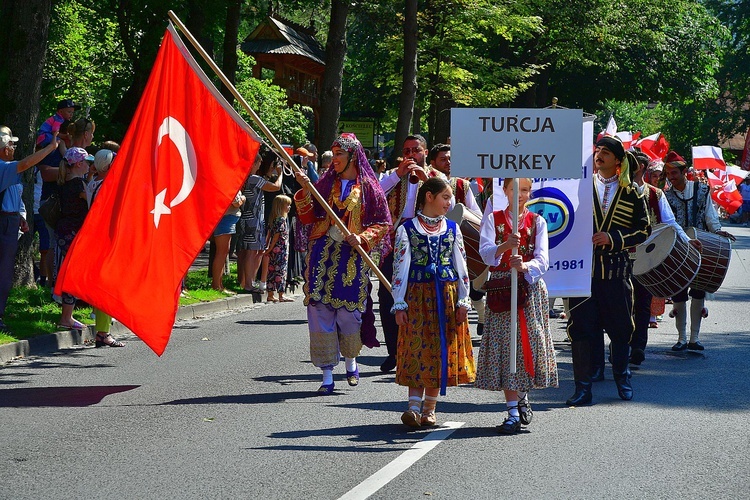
597	357
620	351
581	353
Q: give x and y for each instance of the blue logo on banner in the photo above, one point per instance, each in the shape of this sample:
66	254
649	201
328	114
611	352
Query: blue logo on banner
556	208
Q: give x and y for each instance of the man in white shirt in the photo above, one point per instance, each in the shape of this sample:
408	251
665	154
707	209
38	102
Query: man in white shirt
400	185
692	207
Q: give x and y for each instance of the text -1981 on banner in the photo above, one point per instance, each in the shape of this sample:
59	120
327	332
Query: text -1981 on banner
540	143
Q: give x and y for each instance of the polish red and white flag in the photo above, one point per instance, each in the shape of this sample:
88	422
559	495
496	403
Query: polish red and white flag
708	158
735	173
611	129
626	138
184	157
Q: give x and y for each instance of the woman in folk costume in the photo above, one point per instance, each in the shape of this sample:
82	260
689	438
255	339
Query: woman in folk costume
431	301
337	280
535	353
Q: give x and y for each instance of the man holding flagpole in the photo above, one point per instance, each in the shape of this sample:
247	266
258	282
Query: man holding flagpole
692	207
620	223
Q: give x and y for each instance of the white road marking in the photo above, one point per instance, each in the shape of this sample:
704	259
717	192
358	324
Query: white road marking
408	458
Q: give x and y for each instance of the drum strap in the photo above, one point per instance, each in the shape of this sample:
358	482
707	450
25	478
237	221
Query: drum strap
694	208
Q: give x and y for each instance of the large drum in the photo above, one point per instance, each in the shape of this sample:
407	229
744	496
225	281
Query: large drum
469	222
665	264
715	256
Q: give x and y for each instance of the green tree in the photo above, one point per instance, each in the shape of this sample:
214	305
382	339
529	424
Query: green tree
288	124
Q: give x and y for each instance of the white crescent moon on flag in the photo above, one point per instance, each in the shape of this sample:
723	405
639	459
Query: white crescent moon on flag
175	132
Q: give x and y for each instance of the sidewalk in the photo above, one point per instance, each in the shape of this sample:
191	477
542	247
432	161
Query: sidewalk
53	342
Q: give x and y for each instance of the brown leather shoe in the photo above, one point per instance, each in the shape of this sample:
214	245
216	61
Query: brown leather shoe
410	418
428	419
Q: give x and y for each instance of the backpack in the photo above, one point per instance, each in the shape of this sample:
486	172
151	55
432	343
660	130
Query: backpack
51	210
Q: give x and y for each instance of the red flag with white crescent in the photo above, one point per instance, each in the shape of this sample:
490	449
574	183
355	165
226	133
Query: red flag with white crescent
184	157
724	192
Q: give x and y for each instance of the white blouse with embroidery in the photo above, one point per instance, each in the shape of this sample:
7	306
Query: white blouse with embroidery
488	247
402	262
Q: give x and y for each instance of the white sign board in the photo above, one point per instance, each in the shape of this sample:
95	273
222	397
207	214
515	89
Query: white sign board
568	207
508	142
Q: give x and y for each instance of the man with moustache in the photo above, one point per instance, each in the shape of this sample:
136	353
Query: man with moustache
400	185
620	223
692	207
440	159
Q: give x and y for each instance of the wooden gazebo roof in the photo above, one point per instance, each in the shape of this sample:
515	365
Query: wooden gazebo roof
281	37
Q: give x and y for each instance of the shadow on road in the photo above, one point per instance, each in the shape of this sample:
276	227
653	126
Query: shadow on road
247	399
272	322
34	397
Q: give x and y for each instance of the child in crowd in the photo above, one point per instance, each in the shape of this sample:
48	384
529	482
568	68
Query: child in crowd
431	302
277	253
54	123
535	354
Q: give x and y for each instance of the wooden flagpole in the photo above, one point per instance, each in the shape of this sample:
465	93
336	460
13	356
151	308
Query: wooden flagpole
514	285
309	186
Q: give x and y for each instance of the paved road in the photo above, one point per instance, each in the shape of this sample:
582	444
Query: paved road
229	412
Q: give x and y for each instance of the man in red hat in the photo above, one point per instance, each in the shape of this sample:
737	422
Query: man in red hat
620	223
692	207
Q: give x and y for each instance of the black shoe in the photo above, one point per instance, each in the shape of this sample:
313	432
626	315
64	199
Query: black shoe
679	346
582	397
480	329
525	412
598	374
624	388
637	356
511	425
388	365
695	346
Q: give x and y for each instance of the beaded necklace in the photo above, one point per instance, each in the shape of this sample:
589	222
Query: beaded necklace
430	224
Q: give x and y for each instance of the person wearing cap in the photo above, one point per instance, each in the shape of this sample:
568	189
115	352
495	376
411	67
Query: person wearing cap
306	162
692	207
65	110
337	280
73	209
102	163
81	134
620	223
11	206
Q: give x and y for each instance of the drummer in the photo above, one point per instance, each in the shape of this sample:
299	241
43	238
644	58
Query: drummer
659	212
440	159
692	207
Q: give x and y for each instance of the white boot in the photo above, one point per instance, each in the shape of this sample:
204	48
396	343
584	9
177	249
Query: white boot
696	315
679	310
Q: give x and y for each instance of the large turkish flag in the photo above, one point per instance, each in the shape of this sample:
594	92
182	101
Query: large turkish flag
184	156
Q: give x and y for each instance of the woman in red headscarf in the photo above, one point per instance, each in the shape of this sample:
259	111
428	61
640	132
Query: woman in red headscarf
337	282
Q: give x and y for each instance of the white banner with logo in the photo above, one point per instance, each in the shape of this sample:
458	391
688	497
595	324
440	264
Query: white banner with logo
568	207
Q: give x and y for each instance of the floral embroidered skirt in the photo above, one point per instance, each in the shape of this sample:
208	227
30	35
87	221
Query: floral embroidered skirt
493	366
418	360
